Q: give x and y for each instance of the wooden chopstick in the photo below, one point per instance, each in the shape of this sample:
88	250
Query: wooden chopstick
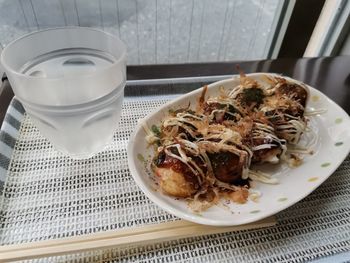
118	238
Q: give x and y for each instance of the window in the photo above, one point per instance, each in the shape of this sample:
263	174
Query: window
162	31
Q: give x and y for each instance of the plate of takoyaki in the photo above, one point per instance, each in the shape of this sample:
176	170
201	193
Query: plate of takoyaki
238	150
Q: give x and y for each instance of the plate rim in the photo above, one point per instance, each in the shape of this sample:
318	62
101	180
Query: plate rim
207	221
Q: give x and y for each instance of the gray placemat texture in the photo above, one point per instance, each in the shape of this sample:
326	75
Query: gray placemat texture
48	195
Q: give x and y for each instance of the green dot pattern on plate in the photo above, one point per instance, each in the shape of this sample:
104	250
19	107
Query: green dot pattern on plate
338	120
282	199
338	143
313	179
140	157
315	98
325	164
254	211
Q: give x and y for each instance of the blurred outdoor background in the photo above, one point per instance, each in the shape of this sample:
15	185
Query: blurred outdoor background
157	31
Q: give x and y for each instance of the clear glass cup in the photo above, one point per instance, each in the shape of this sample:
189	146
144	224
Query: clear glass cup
71	83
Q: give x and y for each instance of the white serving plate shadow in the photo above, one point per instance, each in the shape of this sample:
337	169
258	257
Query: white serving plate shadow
331	148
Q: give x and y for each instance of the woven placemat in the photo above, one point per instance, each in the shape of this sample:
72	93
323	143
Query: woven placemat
48	195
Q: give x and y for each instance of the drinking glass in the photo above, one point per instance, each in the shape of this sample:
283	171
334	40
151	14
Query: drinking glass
71	83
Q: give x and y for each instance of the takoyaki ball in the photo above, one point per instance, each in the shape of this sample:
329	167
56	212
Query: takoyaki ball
293	91
175	177
227	166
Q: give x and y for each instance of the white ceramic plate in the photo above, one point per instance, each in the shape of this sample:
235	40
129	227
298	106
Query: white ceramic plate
331	148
